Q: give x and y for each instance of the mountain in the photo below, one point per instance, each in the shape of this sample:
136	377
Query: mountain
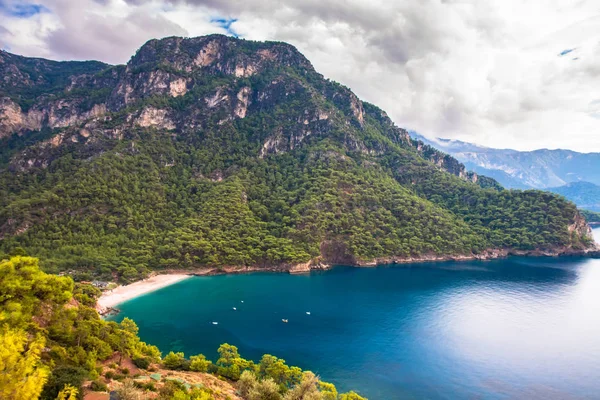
538	169
216	151
585	194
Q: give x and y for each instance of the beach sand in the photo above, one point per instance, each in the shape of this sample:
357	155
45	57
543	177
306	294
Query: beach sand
121	294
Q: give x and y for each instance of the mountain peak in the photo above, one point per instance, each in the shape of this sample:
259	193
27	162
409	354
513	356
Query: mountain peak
219	53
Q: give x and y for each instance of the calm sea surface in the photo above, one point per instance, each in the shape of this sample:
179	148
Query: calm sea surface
520	328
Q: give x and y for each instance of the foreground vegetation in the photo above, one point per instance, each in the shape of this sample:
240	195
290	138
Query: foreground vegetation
52	341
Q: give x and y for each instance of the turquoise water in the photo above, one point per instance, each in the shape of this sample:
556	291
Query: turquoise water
520	328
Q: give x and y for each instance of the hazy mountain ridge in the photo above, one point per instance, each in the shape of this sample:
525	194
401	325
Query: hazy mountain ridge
538	169
585	194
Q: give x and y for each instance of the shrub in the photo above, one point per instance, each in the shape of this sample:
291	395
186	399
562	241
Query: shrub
246	383
128	391
168	390
146	386
62	376
98	386
176	361
199	363
141	362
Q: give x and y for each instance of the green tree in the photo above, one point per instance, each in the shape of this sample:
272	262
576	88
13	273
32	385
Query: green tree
230	364
328	390
266	389
175	361
68	393
22	374
62	376
307	389
246	383
199	363
24	288
351	396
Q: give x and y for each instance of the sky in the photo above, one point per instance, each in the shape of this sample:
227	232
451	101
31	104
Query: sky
500	73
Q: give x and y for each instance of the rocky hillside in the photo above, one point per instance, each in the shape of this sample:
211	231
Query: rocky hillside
217	151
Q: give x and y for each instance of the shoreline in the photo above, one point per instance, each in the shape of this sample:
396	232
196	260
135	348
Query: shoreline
109	299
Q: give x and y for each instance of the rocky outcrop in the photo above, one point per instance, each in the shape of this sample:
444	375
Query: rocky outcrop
304	268
57	114
243	100
151	117
580	227
162	67
13	120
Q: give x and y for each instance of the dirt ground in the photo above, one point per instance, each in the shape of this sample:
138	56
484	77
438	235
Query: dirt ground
222	389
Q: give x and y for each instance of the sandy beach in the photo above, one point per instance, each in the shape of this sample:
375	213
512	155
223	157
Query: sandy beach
123	293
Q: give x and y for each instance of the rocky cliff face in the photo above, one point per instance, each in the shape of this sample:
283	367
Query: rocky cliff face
580	227
173	68
37	93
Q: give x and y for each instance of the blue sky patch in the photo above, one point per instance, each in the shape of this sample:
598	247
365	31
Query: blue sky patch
22	10
225	23
565	52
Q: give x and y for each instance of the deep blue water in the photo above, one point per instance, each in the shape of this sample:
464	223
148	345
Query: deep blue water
520	328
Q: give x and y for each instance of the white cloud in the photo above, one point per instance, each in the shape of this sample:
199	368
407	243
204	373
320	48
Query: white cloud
487	72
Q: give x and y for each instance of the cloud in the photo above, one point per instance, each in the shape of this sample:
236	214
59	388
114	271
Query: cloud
110	36
485	72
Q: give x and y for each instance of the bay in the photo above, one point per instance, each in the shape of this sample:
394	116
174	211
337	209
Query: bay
503	329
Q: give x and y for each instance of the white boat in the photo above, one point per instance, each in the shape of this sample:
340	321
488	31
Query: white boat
284	320
234	308
308	313
242	301
215	323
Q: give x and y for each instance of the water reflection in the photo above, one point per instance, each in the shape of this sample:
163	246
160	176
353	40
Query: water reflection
522	336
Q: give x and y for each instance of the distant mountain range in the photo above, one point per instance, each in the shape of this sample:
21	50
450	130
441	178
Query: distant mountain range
585	194
538	169
573	175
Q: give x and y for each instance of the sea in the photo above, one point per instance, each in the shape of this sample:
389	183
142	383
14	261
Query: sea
516	328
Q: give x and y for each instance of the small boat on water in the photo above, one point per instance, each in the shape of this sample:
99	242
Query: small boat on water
308	313
242	301
234	309
284	320
215	323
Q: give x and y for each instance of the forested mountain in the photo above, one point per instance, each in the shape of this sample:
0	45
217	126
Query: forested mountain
585	194
215	151
538	169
